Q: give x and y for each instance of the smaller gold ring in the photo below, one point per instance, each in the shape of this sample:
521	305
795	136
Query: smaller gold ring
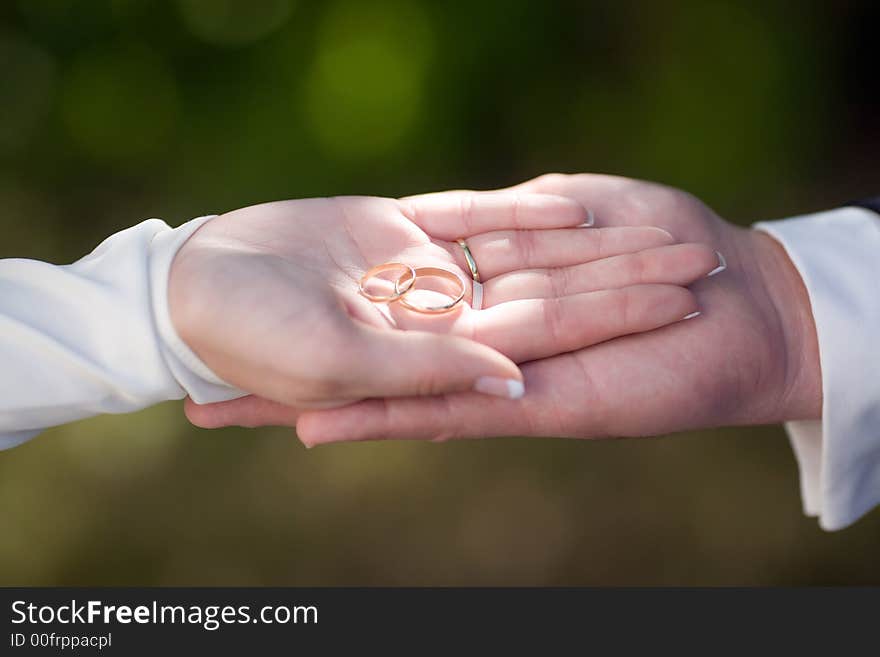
380	269
439	273
469	258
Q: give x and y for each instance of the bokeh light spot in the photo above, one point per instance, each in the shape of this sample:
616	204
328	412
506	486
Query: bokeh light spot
120	105
234	22
366	86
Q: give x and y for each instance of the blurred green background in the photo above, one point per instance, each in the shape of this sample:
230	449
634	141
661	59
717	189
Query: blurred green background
112	111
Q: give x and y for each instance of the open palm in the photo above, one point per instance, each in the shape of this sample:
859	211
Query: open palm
549	290
268	295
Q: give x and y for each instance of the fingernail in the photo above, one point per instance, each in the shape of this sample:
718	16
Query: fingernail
477	301
722	265
692	315
591	220
507	388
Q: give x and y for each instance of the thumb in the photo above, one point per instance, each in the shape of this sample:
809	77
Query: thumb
400	363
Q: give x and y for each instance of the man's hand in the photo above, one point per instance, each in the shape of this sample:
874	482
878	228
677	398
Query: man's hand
267	296
752	357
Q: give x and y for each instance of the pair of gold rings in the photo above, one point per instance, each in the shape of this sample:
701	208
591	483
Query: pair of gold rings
406	283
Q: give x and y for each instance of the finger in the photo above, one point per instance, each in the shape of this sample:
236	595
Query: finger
410	418
250	411
447	417
450	215
572	185
620	201
399	363
605	195
499	252
528	329
679	264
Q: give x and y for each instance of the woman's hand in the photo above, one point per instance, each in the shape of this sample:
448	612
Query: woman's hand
268	297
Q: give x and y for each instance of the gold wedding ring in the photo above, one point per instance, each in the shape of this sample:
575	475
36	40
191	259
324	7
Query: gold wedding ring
408	278
435	272
469	258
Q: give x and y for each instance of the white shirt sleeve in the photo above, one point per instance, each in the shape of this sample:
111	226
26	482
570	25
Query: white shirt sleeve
95	336
838	256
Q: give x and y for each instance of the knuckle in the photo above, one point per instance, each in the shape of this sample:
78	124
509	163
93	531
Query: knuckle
624	306
409	210
677	200
516	210
428	384
387	422
686	198
467	203
631	268
554	318
637	267
560	282
526	246
552	180
447	423
455	421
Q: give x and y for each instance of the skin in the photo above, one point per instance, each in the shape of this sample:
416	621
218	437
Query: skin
267	296
750	358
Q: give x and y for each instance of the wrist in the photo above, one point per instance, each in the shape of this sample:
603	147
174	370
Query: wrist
177	301
799	393
189	293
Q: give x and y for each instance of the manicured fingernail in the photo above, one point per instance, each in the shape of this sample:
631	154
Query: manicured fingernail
591	220
477	301
722	265
507	388
692	315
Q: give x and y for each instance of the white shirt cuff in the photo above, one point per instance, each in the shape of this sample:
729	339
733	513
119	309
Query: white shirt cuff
837	254
95	336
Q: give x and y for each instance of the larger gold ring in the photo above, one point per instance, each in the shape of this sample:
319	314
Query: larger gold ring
469	258
409	275
439	273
